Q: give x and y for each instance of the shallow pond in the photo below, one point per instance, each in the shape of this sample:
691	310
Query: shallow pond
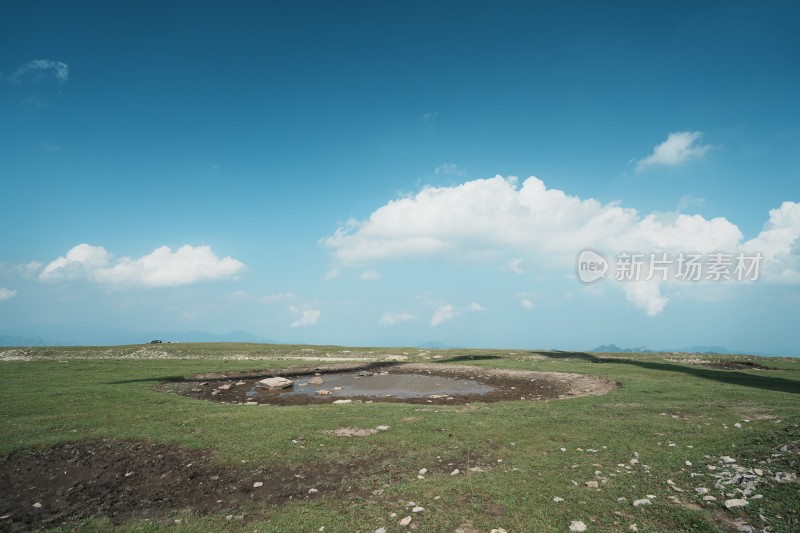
379	385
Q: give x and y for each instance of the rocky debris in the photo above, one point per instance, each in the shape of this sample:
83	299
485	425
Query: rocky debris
226	386
258	484
592	484
316	380
558	499
313	491
343	401
364	374
323	392
577	525
383	428
417	509
380	530
455	472
643	501
498	530
405	521
275	383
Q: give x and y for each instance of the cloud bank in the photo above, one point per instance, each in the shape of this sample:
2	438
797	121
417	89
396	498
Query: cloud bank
160	268
492	219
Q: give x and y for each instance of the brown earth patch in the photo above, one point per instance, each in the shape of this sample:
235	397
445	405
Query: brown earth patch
508	384
125	480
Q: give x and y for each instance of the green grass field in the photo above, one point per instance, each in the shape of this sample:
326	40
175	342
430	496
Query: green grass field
674	415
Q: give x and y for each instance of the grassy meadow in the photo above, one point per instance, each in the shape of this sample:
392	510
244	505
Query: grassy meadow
669	418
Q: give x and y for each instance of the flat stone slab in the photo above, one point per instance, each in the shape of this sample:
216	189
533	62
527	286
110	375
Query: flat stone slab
275	383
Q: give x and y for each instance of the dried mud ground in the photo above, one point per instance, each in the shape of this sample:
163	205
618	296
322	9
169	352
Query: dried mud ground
509	385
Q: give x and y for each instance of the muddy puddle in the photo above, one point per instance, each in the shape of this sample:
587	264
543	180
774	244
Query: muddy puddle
377	385
406	383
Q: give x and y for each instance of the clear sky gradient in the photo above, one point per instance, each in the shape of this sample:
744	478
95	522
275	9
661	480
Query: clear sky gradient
361	173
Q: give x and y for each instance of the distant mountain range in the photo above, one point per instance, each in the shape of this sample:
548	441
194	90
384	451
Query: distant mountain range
95	335
613	348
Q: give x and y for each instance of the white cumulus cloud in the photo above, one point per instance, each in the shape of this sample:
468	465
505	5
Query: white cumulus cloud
390	319
307	317
475	307
779	244
6	294
645	296
160	268
679	147
491	217
442	314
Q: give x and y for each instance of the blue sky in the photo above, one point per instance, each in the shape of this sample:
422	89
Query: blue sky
361	173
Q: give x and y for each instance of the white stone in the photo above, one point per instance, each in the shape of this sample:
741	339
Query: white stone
577	525
380	530
455	472
423	471
417	509
643	501
343	401
735	502
405	521
383	428
709	498
558	499
275	383
258	484
312	491
37	505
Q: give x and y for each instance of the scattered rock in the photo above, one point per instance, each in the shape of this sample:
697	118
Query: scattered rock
735	502
37	505
316	380
417	509
383	428
323	392
343	401
455	472
380	530
727	459
313	491
258	484
405	521
558	499
577	525
592	484
709	498
423	471
643	501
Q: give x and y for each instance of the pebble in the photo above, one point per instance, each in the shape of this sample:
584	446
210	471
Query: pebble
313	491
498	530
343	401
405	521
417	509
383	428
591	484
709	498
258	484
577	525
423	471
643	501
37	505
558	499
380	530
633	527
455	472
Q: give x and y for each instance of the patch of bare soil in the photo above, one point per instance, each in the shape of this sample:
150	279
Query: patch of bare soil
126	480
508	385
